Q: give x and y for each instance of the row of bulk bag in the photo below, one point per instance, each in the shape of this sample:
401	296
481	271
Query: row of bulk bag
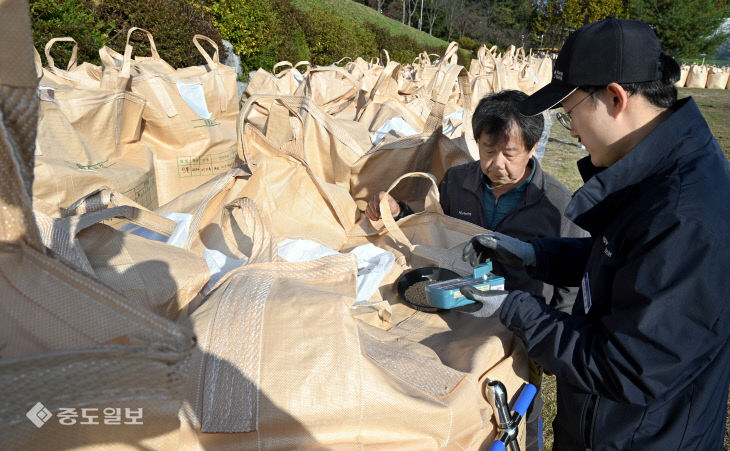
171	129
189	120
89	135
702	76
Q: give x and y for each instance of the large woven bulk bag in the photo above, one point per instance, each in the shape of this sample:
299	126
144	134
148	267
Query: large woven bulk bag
684	72
284	364
73	350
189	118
90	137
697	76
718	77
84	74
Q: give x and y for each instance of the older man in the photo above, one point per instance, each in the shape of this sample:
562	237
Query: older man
507	191
642	362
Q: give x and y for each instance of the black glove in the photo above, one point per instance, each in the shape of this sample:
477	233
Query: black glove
498	247
487	303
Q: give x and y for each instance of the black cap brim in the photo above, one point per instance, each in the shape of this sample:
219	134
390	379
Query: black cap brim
546	98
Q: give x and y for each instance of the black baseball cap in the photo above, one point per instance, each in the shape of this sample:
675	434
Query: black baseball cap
597	54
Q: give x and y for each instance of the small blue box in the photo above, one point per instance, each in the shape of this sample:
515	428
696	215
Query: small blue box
446	294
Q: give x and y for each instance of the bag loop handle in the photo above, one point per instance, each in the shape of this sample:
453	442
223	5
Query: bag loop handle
71	61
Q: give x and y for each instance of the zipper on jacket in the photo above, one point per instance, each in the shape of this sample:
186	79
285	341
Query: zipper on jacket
589	419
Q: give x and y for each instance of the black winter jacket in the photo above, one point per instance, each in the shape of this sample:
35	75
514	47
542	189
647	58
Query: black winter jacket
538	214
643	362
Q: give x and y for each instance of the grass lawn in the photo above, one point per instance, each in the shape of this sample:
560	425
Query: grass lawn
559	160
361	13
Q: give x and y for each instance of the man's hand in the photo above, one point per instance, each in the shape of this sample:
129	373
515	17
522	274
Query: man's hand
498	247
487	303
373	208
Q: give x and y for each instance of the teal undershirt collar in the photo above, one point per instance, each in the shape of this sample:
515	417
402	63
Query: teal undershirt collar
497	209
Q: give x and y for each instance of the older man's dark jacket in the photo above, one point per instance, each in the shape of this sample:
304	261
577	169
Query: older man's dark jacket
539	213
643	361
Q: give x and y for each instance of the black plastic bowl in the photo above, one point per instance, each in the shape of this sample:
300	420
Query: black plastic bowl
413	276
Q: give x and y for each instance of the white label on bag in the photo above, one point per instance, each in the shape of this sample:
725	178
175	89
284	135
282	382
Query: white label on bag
194	96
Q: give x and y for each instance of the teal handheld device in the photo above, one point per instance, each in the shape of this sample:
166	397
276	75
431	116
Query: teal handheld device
446	294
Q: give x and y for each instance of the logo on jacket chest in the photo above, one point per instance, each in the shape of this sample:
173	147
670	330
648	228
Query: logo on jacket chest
464	213
606	251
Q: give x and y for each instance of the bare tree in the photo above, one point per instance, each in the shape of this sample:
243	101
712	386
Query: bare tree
451	10
432	12
466	19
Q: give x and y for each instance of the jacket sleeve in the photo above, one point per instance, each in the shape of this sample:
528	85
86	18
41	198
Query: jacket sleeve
443	193
635	353
564	295
560	261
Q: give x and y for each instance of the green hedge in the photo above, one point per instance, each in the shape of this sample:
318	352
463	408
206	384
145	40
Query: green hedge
263	32
173	23
58	18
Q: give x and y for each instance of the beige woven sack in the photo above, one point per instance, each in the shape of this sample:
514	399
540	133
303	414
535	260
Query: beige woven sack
84	74
90	137
190	119
348	384
164	278
67	340
331	88
543	68
683	72
284	82
718	77
294	202
429	151
385	102
328	145
697	77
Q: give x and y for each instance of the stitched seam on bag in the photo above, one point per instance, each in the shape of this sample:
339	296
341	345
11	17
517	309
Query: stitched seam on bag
241	310
423	374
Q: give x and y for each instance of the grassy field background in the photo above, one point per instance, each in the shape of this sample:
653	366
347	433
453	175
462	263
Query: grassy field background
560	157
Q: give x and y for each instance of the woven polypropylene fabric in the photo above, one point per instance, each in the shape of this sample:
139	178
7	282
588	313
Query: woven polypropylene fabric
18	118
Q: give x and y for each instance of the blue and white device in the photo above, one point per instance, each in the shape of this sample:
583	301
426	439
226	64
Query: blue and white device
446	294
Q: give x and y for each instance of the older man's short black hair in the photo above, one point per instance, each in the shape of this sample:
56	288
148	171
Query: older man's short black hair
495	114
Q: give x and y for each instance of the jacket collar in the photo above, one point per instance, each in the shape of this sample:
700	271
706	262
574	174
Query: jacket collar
533	192
678	135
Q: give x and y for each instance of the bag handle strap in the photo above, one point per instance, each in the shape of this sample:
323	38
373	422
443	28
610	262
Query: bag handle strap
135	215
247	217
391	72
38	64
281	64
153	47
450	55
120	72
304	63
431	205
59	235
385	57
337	63
71	61
213	61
